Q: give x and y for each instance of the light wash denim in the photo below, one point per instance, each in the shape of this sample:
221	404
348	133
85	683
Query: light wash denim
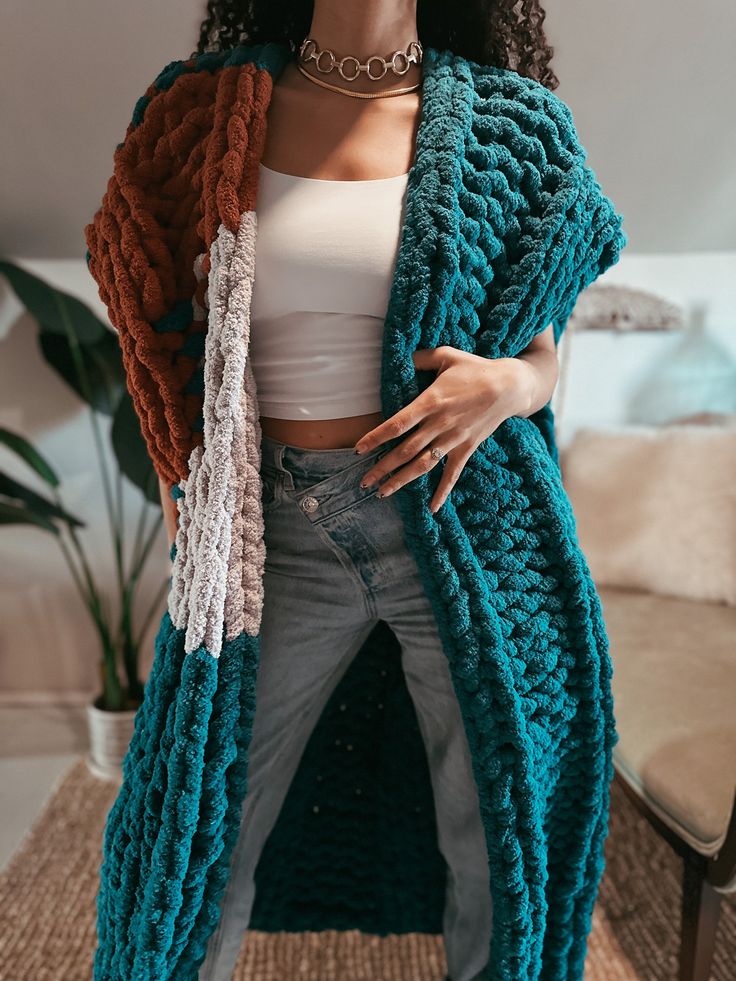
336	563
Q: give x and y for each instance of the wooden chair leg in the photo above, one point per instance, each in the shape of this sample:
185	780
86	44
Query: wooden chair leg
701	906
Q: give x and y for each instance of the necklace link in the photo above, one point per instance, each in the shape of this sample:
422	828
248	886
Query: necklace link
309	50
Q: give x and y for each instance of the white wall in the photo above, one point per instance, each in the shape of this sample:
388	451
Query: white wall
650	88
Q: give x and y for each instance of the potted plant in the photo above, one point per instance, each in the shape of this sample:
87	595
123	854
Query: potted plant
86	355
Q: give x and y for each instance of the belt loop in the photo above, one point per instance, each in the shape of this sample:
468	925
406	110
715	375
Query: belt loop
272	452
286	474
287	480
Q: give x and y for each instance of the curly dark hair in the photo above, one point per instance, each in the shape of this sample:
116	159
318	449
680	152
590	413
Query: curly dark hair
504	33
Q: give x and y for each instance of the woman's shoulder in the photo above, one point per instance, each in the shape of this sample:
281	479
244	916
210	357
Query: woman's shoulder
503	97
191	76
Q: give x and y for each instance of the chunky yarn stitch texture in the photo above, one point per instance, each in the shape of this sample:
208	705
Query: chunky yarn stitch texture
505	224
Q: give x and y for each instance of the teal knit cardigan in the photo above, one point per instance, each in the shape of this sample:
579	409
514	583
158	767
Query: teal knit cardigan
505	224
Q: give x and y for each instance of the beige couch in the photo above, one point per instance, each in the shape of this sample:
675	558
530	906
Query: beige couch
655	509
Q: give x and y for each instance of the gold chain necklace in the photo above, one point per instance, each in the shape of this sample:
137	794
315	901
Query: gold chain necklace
399	63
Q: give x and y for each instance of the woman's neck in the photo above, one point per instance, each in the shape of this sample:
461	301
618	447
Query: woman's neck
360	29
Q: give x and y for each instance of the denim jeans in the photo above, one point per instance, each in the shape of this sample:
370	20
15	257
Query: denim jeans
336	562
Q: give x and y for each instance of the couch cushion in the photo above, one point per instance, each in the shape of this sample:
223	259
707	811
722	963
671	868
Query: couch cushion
674	687
655	507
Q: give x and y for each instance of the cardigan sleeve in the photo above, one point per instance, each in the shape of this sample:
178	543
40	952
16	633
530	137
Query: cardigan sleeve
591	235
142	243
588	236
126	235
545	228
541	221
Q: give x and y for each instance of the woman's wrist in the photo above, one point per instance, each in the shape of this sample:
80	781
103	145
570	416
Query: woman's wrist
536	374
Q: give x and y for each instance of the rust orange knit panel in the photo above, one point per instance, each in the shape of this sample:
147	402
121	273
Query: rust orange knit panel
190	165
143	241
235	147
254	125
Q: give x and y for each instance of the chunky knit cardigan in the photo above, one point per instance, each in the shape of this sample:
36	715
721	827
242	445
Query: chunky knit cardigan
504	225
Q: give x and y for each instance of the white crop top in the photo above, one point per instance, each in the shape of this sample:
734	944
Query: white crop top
324	262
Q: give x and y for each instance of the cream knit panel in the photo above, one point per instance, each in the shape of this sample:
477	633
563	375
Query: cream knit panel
220	553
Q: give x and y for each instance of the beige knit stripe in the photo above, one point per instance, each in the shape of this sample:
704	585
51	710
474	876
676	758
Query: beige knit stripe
222	415
245	592
244	586
244	596
234	598
253	545
184	558
218	572
209	539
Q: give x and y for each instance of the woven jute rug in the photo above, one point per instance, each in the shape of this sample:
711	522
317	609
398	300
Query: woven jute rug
47	909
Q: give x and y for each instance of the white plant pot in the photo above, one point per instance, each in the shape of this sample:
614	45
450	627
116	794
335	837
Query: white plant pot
109	736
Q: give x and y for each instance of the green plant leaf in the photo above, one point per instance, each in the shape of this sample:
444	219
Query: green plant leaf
53	308
70	333
11	514
131	451
10	488
103	367
20	445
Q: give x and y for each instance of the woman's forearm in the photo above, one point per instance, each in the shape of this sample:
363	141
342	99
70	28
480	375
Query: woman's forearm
541	372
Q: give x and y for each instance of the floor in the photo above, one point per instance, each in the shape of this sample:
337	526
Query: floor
637	918
37	745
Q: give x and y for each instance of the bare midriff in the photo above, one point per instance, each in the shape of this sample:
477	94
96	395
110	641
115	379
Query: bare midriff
324	434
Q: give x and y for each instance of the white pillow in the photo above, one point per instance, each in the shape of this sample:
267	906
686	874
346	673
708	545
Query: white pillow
655	507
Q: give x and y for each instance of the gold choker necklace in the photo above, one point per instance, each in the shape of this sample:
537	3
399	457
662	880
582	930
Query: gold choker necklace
399	63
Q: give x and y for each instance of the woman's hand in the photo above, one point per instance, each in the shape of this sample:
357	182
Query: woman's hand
470	397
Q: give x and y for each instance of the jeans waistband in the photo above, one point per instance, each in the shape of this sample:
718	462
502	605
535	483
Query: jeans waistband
306	463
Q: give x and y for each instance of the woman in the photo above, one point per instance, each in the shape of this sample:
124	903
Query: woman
333	163
317	329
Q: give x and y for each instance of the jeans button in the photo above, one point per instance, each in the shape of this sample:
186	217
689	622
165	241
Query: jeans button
309	503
